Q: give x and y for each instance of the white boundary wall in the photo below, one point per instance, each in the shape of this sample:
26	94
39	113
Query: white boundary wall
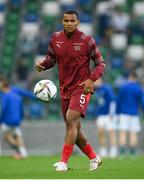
46	137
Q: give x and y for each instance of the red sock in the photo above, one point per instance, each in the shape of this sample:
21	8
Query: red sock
66	152
88	150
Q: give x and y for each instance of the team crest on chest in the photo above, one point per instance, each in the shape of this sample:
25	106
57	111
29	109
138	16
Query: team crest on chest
77	46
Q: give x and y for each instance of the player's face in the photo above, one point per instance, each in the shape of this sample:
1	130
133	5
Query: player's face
70	22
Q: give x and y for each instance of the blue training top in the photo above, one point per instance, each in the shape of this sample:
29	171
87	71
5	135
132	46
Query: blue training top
12	106
129	99
104	96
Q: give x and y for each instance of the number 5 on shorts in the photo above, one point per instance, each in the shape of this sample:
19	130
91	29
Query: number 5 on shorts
82	100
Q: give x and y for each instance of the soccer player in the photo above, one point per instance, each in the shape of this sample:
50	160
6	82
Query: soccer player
105	121
129	99
72	50
11	116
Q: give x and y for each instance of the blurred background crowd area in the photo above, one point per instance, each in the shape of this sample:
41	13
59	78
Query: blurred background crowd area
26	26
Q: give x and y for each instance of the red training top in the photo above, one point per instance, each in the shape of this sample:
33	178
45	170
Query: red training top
73	55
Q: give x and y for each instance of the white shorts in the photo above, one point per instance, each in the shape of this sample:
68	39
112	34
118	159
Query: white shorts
10	129
106	122
129	123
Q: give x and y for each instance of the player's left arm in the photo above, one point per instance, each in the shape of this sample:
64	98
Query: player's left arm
98	60
98	71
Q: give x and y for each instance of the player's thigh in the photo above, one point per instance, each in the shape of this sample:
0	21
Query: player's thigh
73	116
135	124
6	129
101	122
17	132
79	124
64	105
115	120
79	102
69	114
124	121
110	123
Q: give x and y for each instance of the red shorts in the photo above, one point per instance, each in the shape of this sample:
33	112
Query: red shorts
77	102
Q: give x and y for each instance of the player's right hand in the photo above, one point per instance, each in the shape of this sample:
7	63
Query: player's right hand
39	67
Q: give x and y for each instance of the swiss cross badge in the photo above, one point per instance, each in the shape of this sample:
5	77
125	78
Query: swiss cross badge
77	48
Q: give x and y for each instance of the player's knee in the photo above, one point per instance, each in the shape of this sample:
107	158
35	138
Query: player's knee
71	122
101	132
72	118
7	136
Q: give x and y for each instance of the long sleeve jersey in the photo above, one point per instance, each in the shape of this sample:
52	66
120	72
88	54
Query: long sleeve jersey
73	55
130	98
105	97
11	109
12	105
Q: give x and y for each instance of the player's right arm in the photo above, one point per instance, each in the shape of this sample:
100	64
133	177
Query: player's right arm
49	61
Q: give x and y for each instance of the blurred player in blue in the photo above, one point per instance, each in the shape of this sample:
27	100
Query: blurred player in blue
11	116
129	100
105	112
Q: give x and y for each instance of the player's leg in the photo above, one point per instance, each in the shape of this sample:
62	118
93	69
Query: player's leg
71	134
82	143
79	102
111	128
133	142
113	143
100	123
122	142
133	136
72	118
62	166
87	149
8	136
71	122
123	131
72	110
102	142
20	142
11	141
81	140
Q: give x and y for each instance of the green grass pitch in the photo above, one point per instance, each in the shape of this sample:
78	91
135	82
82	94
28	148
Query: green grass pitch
40	167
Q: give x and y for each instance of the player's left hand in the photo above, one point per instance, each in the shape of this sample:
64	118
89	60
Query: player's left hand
88	86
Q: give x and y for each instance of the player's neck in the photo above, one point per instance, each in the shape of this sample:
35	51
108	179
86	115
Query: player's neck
69	34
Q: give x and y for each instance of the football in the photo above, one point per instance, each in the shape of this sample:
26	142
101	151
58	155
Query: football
45	90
